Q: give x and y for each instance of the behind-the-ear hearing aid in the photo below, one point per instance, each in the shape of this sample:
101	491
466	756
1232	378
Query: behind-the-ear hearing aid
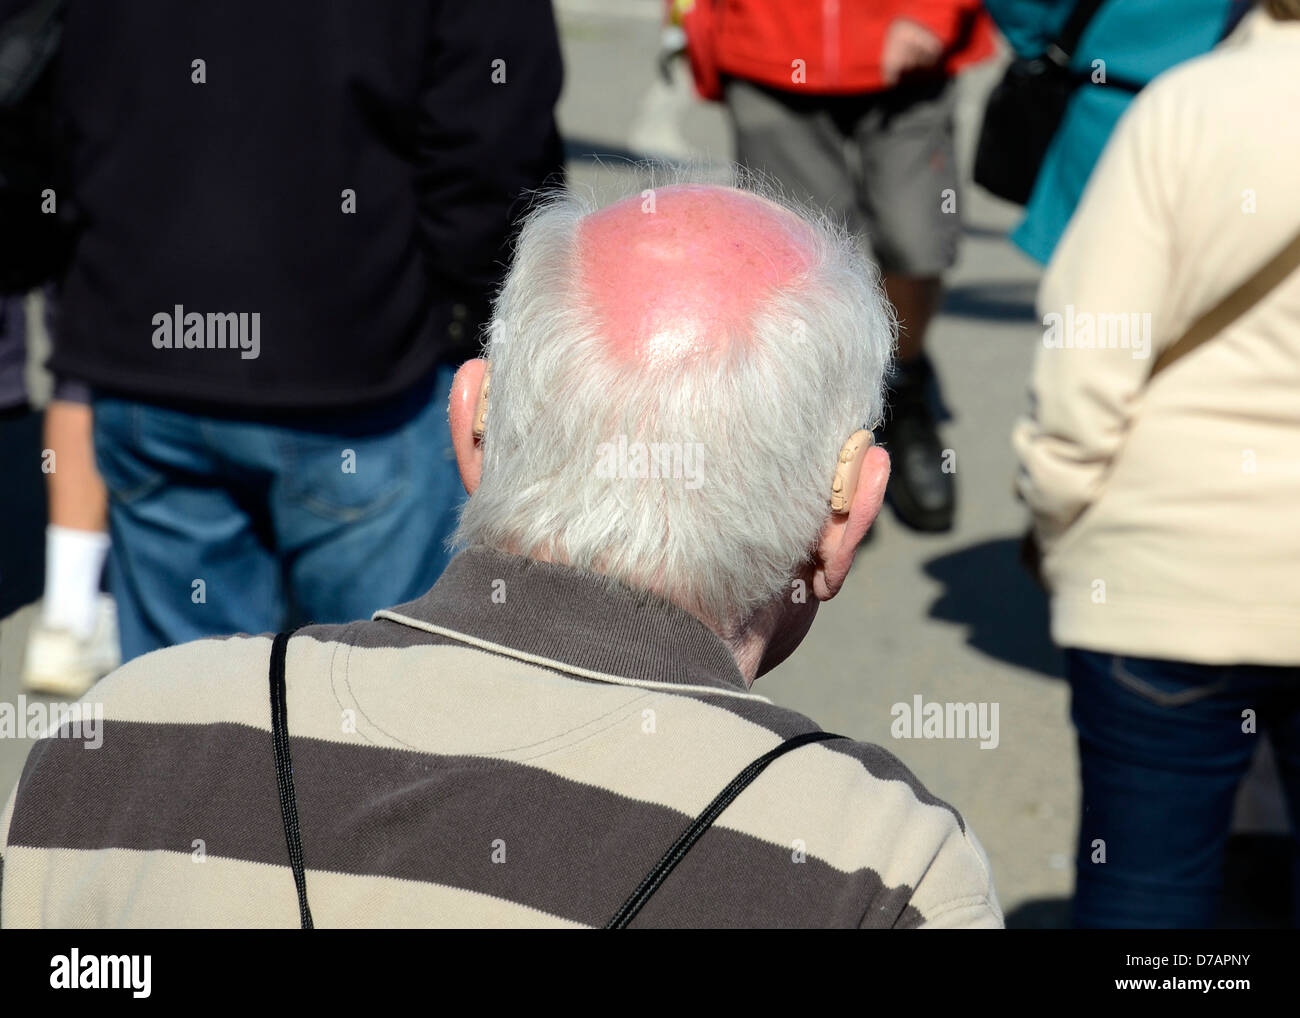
480	409
848	469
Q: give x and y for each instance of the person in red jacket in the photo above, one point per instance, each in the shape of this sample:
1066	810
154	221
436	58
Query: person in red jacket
848	104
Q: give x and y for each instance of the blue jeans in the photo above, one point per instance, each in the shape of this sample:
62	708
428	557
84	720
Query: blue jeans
224	525
1162	752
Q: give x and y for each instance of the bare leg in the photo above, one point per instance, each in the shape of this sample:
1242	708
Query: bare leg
76	639
76	492
915	300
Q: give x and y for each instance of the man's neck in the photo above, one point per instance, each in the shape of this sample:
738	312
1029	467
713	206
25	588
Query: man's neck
748	648
747	644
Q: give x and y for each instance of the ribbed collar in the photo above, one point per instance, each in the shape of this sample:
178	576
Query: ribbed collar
580	621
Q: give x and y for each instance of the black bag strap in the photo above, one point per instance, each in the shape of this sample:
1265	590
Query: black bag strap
284	774
702	823
1061	49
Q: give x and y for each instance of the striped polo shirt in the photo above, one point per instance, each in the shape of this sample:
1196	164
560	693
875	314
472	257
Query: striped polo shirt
518	747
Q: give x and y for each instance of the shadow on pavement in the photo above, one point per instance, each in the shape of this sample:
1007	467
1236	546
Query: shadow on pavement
984	232
986	590
1040	914
998	300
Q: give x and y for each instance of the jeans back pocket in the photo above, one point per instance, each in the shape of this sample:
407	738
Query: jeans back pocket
1169	683
345	477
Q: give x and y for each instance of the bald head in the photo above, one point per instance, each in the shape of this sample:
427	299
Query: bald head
613	441
685	269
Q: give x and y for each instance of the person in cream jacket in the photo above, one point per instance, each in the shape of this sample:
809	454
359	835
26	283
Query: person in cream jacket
1167	508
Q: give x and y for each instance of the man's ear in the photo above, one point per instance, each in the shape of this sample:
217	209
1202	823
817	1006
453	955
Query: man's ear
862	496
465	412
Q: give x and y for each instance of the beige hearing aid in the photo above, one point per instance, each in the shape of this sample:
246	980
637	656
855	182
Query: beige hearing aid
848	469
480	410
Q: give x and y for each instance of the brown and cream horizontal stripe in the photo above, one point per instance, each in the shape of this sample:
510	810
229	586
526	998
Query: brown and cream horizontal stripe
415	752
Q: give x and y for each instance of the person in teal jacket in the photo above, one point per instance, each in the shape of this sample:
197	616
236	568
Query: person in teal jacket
1137	40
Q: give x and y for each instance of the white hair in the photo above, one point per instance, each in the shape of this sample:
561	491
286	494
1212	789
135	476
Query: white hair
763	417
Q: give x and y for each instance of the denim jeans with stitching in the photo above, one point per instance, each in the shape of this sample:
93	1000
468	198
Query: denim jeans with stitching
227	524
1163	747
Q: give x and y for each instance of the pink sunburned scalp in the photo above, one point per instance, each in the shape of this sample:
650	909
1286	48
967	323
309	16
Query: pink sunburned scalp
689	274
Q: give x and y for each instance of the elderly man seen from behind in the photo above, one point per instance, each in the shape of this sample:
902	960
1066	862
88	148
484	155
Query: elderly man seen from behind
668	472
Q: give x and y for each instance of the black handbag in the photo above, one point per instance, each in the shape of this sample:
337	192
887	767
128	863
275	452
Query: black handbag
1024	111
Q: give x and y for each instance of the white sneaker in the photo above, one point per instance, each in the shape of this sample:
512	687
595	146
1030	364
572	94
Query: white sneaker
58	663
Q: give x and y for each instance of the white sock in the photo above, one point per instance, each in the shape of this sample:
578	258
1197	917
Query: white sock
74	560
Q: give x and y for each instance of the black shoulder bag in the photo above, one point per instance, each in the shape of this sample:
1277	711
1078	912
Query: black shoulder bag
1025	109
626	912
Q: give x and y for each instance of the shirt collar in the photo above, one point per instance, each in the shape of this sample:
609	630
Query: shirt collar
579	621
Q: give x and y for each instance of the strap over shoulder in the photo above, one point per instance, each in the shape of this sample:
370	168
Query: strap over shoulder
284	774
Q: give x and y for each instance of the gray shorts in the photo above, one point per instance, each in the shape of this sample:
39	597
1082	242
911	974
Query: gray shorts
882	162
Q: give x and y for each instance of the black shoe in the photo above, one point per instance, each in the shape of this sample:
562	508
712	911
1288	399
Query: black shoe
922	493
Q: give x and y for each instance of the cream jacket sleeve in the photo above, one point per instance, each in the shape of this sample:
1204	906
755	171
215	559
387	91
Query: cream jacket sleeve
1113	260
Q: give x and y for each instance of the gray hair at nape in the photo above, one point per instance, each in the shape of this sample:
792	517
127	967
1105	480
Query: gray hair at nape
705	480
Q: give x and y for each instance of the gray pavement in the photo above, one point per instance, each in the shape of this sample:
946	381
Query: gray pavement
948	618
